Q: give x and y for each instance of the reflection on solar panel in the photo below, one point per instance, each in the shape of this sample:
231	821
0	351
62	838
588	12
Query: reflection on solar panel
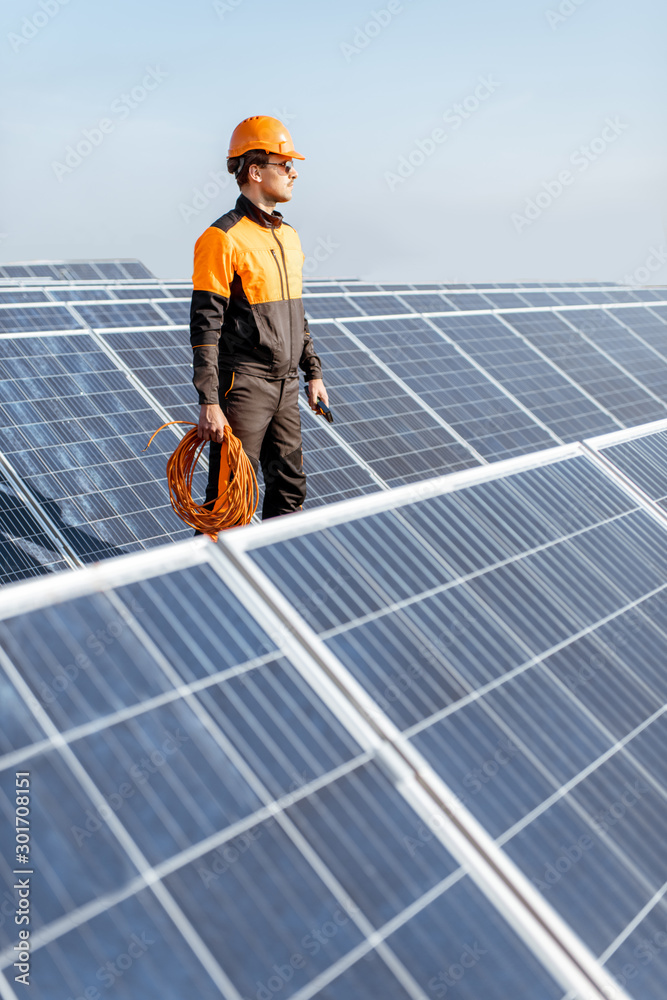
27	548
444	767
73	429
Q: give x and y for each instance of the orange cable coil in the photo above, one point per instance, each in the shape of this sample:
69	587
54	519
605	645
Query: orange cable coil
238	493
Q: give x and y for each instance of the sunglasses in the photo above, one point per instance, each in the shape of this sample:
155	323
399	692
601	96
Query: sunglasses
287	166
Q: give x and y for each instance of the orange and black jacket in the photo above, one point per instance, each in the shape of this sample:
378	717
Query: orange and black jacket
247	312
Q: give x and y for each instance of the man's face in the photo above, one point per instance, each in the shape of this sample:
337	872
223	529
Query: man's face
276	182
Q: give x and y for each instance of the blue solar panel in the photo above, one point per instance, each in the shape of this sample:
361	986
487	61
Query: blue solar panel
516	632
536	383
286	849
379	305
26	548
628	402
16	296
396	436
606	331
329	306
644	460
454	388
23	319
73	430
121	314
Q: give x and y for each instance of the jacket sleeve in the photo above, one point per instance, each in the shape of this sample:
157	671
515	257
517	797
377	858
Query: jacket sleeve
309	363
211	280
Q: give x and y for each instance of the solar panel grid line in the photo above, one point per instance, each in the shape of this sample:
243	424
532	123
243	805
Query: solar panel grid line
618	316
399	605
83	914
532	661
563	789
580	388
602	461
342	443
272	531
601	350
184	690
137	857
509	890
410	392
39	513
487	374
416	992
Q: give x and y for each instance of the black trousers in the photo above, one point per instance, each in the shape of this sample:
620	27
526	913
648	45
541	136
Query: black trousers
264	415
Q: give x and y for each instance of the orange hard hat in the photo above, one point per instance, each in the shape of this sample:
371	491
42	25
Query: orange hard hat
262	132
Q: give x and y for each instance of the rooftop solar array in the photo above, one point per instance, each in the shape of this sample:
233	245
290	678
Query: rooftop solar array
441	772
423	379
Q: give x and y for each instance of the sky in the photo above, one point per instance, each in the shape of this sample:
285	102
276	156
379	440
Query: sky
444	141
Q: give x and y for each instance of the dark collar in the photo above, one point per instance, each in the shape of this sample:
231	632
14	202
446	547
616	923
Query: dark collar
269	221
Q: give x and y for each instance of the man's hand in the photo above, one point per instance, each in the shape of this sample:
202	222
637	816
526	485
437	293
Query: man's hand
317	391
212	422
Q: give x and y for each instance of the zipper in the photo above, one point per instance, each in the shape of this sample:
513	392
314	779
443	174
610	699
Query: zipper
280	274
282	254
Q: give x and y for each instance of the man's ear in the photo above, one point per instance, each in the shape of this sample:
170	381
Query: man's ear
253	172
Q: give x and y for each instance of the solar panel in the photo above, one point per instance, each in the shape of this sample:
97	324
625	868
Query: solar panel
379	305
73	429
474	406
85	294
515	631
220	818
136	291
467	301
120	314
111	270
610	334
81	272
27	548
329	306
420	302
392	432
505	300
618	394
644	460
7	297
21	319
535	382
645	324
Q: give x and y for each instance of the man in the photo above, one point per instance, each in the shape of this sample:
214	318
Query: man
247	324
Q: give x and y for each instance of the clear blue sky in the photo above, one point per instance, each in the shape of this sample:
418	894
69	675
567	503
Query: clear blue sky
362	87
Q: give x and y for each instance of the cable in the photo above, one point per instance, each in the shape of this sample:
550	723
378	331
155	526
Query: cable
238	493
